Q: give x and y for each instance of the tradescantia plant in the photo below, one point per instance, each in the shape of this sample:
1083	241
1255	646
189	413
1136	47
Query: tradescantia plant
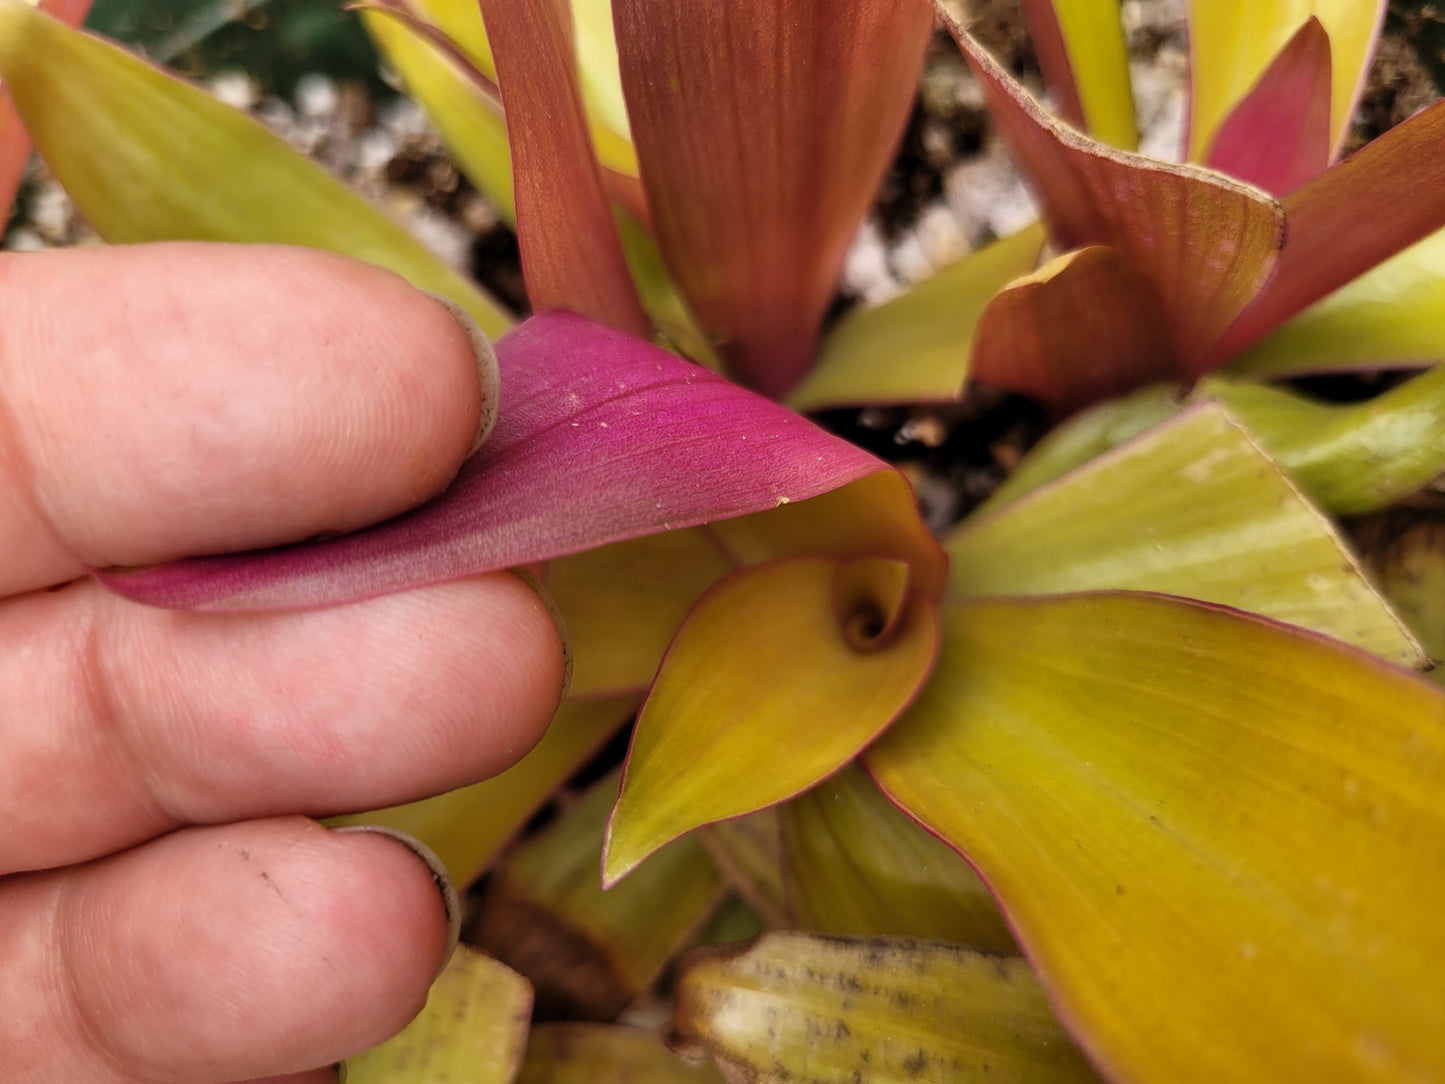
1148	694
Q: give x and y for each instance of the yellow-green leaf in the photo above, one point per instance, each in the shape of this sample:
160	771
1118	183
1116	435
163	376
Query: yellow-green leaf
623	602
780	675
590	952
1389	316
472	129
149	158
915	348
797	1007
1408	562
1087	434
1190	508
1231	42
468	828
599	1054
855	865
472	1031
749	851
1348	458
1220	841
1093	70
876	516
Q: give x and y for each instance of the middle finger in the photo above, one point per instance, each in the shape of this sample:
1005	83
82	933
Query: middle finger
119	722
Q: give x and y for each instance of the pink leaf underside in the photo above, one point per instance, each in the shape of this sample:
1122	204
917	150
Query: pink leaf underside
1084	327
601	437
1205	242
1053	56
571	254
1357	214
1278	137
762	130
14	143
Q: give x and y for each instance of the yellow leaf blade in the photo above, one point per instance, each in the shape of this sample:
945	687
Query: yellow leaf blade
1221	842
769	687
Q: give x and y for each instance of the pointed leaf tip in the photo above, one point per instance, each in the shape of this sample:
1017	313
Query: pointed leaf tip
764	692
1278	137
600	437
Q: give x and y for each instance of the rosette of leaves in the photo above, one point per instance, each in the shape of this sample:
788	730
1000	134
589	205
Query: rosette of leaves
1148	694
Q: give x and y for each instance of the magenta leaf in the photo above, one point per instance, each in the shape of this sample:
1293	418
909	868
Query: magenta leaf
601	437
1278	137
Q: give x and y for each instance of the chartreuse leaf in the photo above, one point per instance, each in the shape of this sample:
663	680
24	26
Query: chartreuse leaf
590	952
1384	198
1278	136
599	1054
749	851
600	437
1388	317
1349	458
468	827
471	127
1051	336
1190	508
149	158
473	1030
855	865
778	677
571	254
1087	434
1231	43
1220	841
797	1007
623	602
1205	242
915	348
762	130
1086	64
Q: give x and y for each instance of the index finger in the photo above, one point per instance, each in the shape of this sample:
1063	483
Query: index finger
165	400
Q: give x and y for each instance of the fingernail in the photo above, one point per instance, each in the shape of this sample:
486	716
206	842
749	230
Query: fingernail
439	875
487	370
540	590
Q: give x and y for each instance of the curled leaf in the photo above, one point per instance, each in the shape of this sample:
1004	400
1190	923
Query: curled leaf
765	691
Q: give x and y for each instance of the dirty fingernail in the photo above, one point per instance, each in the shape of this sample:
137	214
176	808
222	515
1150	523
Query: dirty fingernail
487	370
540	590
443	880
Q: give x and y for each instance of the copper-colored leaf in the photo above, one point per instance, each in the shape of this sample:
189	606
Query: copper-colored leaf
1205	242
798	1007
1220	841
1380	200
571	254
779	676
1084	326
762	130
1278	137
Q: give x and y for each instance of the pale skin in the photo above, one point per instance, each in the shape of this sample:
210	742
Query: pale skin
169	910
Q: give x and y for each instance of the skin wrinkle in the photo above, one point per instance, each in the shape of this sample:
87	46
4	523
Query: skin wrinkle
67	982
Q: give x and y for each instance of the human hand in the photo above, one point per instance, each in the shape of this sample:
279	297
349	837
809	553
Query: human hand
167	910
